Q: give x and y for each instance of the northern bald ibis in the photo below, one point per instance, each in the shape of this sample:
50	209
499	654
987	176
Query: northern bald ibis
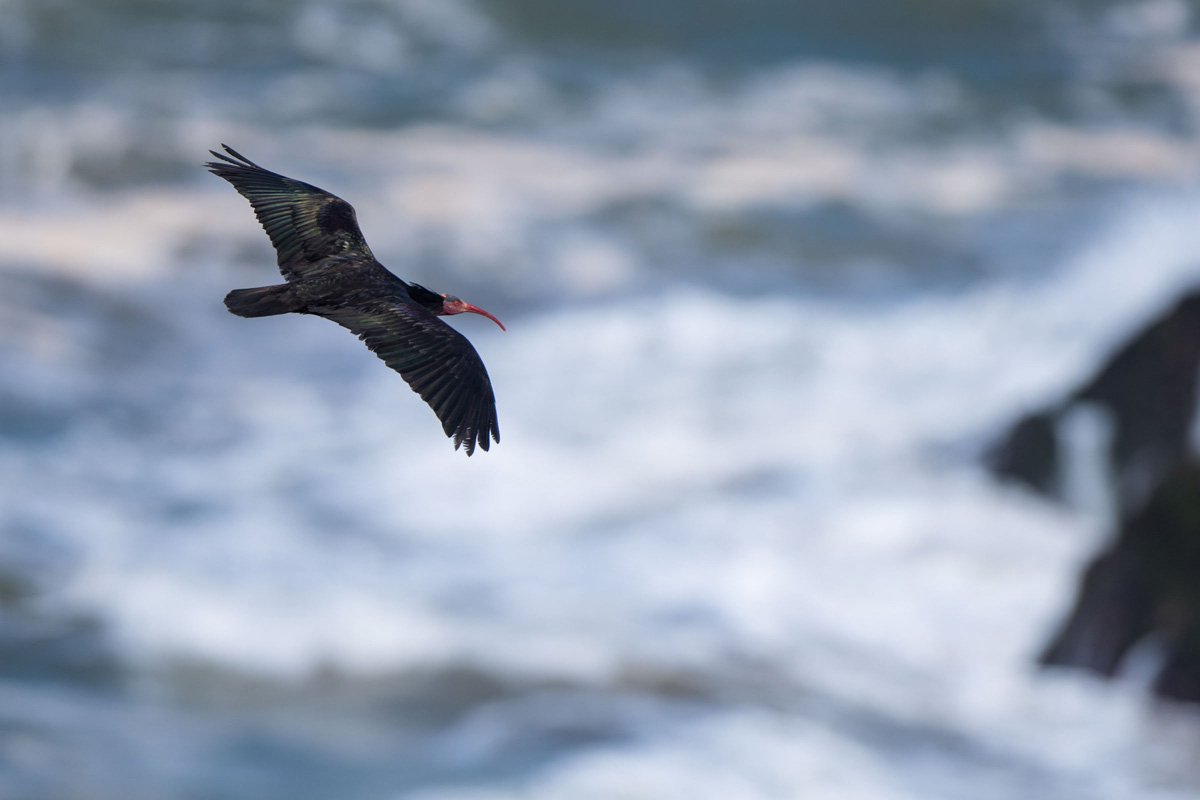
331	273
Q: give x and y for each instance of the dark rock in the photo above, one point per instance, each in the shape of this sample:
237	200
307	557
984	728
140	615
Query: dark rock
1148	385
1147	583
1113	611
1145	586
1029	454
1180	676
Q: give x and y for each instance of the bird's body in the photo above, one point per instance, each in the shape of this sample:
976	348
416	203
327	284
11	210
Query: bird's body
331	273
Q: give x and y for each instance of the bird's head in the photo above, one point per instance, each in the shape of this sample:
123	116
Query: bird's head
456	305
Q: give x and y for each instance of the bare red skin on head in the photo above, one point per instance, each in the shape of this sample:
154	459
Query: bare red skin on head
453	305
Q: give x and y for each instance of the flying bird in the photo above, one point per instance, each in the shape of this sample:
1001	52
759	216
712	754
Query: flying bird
331	273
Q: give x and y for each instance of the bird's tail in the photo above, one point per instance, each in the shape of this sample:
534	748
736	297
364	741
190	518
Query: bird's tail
264	301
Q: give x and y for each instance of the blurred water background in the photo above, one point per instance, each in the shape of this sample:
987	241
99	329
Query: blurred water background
774	272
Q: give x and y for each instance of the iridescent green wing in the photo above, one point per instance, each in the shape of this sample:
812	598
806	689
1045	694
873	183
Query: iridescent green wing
306	224
437	362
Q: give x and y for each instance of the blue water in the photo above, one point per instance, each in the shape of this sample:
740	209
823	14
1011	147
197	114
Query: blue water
773	274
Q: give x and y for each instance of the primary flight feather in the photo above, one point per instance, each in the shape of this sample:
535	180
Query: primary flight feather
331	273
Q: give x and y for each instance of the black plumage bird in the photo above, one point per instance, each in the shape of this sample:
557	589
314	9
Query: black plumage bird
331	273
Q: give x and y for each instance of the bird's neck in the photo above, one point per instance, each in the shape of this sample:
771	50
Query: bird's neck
432	301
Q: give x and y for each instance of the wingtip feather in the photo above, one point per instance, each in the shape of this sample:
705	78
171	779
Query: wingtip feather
237	160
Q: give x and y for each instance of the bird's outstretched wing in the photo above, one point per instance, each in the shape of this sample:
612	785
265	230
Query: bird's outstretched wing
437	362
306	224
